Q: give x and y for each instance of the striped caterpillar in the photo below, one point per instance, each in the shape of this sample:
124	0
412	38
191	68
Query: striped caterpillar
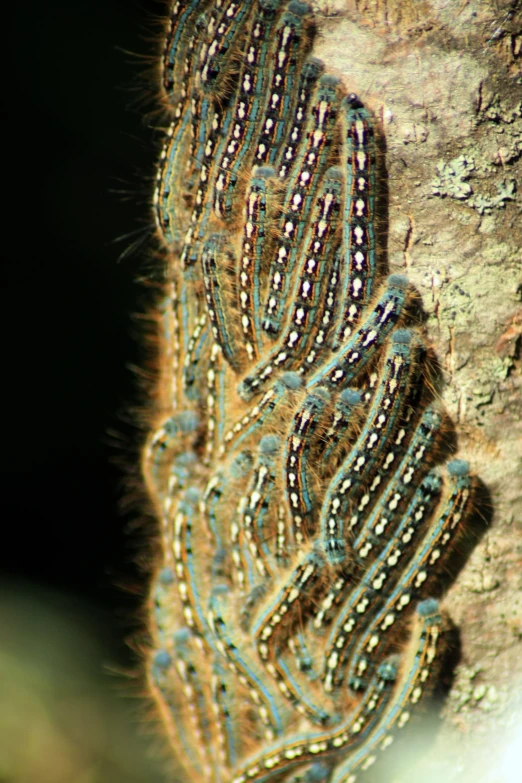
304	523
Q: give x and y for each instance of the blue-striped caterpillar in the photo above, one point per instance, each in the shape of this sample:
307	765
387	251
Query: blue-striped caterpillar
304	521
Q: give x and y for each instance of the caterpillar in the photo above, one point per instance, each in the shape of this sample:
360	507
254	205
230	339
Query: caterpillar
304	520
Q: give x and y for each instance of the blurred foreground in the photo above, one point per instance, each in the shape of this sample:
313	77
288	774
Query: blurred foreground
64	717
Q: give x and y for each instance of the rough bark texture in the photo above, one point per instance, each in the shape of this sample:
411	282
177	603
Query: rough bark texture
445	79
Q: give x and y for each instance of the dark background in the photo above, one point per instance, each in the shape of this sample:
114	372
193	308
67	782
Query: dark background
79	162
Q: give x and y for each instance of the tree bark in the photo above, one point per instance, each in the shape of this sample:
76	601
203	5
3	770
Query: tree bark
444	78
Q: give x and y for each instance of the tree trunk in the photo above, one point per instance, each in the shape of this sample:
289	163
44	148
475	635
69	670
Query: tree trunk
445	80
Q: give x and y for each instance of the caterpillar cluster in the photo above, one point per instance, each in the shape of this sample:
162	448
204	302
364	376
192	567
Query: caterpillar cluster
304	522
